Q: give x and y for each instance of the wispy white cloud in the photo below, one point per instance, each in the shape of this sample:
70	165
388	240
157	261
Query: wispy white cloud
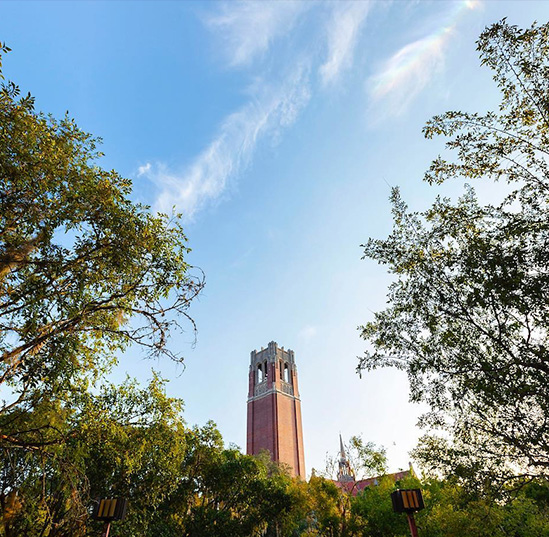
246	32
248	28
144	169
231	151
342	34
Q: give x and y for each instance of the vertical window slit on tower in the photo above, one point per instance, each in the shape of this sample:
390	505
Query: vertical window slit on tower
259	373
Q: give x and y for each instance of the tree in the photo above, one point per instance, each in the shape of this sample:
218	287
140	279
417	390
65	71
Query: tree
335	515
84	274
84	271
124	441
469	307
452	510
372	512
237	494
132	442
221	492
324	501
366	458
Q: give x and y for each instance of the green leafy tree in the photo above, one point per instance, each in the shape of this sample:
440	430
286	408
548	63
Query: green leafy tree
324	502
132	443
222	492
84	274
365	458
452	510
84	271
372	512
124	441
468	309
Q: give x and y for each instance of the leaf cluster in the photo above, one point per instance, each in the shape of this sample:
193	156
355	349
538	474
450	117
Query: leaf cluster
84	271
468	309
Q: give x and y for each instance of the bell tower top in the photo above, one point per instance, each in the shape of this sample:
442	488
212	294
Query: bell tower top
271	353
273	369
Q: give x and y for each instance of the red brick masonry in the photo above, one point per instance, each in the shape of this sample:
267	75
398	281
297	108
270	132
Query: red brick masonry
274	408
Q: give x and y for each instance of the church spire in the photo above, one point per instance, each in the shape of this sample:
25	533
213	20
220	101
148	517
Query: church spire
345	472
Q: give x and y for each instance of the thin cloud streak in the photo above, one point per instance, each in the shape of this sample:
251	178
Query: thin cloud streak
342	35
232	150
246	32
249	28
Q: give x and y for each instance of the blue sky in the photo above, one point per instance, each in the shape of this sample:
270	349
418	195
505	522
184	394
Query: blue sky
277	128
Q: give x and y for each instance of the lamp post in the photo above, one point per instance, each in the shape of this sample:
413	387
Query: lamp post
408	501
108	510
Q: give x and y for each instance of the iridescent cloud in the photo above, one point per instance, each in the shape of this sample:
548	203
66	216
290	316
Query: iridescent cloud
410	69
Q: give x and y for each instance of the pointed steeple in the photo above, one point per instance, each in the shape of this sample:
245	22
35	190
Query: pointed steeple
345	473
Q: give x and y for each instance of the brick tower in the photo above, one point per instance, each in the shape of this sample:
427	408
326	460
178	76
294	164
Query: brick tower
274	408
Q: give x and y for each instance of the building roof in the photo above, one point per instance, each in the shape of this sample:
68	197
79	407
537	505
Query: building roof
354	487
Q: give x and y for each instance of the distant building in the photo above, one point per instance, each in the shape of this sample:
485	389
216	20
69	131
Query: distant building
345	473
346	477
274	408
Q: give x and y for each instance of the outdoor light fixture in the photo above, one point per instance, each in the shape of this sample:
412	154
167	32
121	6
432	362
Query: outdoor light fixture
109	509
408	501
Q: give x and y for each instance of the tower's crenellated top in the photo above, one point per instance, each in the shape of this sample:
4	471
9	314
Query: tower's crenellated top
273	369
271	354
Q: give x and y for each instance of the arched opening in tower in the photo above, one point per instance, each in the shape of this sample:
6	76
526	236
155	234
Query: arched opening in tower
286	376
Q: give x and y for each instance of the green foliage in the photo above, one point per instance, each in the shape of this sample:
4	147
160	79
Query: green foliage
372	512
84	271
468	310
452	510
221	492
124	441
324	502
133	443
368	460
